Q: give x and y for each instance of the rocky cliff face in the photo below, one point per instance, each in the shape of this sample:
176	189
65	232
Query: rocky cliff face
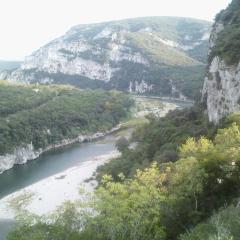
221	91
139	55
22	155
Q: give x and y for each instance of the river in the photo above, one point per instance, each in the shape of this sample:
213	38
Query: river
55	171
52	162
49	164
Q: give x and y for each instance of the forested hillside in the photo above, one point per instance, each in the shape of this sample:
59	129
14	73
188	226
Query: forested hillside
44	115
162	201
227	45
159	140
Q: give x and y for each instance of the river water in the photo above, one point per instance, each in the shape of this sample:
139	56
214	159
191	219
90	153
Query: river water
52	162
49	164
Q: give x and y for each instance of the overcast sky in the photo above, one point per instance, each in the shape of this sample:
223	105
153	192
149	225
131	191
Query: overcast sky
26	25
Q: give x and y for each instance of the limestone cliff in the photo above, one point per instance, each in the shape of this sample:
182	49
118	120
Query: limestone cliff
22	155
221	91
140	55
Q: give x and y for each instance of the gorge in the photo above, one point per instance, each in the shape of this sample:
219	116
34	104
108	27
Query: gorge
131	141
65	168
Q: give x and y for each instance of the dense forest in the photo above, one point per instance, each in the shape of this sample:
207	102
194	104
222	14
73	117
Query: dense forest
44	115
162	201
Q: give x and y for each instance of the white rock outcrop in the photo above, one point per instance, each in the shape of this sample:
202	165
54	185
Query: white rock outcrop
74	54
65	58
221	90
114	53
139	87
120	53
22	155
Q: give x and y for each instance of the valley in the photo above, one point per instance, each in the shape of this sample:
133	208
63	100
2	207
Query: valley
43	184
125	129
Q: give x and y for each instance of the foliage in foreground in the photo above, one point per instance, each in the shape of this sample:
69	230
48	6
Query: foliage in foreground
159	141
224	225
160	202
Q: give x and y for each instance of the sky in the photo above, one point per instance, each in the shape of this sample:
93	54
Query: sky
26	25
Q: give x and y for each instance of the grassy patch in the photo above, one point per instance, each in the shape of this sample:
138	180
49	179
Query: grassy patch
160	52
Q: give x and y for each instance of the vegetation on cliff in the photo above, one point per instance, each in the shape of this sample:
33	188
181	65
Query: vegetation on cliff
224	225
228	41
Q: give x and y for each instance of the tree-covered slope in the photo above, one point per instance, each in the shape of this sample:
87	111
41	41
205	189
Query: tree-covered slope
223	225
46	115
163	201
159	141
143	55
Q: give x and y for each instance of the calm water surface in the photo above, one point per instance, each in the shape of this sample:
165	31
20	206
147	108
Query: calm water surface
46	165
52	162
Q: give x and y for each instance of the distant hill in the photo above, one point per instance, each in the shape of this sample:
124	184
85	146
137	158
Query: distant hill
9	65
157	55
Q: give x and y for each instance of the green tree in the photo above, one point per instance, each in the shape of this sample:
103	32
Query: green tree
122	144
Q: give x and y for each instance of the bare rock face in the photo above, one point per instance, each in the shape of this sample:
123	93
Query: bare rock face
221	90
140	55
22	155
